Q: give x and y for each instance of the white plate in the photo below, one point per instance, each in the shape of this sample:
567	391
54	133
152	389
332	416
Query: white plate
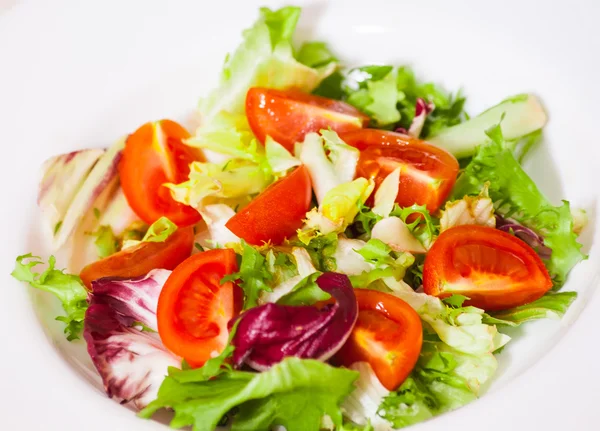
80	74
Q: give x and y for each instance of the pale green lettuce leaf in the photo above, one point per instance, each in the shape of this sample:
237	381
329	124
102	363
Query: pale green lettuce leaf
461	328
444	379
231	182
337	209
328	170
264	58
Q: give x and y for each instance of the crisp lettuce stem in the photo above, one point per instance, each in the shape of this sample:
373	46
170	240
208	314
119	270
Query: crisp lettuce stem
523	114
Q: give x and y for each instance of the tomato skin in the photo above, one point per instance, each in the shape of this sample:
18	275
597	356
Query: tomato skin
277	212
143	258
145	167
494	269
194	307
427	175
388	335
288	115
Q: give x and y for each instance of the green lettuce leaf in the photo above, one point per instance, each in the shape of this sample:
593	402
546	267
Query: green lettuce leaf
443	380
315	54
253	276
551	305
462	328
306	292
321	250
389	96
515	195
337	209
266	59
425	228
106	241
68	288
160	230
295	394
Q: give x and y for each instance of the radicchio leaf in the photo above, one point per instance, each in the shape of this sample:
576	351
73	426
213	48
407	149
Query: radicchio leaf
131	362
534	240
267	334
422	110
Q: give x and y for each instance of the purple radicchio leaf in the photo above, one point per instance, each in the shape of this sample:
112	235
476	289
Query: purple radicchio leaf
267	334
131	362
533	239
422	110
71	184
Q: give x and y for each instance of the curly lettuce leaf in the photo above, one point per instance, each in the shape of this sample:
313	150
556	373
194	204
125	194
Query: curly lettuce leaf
461	328
389	95
210	183
443	380
265	58
253	276
68	288
337	209
321	250
294	393
425	228
515	195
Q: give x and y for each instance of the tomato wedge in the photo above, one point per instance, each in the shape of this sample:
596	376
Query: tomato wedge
155	154
494	269
277	212
194	307
288	115
139	260
388	335
427	174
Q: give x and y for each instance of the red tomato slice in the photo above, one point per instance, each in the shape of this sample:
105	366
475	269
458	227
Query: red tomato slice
493	268
288	115
277	212
388	335
143	258
194	307
427	175
154	154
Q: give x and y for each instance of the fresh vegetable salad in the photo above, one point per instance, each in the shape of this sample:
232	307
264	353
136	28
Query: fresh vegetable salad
332	248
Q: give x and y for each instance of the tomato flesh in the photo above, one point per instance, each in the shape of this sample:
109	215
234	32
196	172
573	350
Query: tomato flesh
494	269
388	335
288	115
277	212
427	172
194	307
154	155
142	258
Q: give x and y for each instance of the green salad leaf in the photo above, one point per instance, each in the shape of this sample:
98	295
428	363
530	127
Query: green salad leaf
389	96
253	276
321	250
68	288
443	380
515	195
551	305
315	54
265	58
160	230
425	228
296	394
106	242
306	292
